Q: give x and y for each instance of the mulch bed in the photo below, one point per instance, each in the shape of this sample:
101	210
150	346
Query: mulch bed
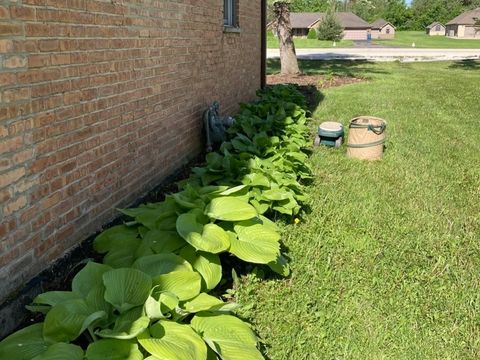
319	81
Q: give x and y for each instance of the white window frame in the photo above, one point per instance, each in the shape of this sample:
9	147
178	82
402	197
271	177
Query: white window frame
229	15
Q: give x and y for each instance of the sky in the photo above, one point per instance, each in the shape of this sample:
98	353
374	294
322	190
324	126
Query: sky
409	2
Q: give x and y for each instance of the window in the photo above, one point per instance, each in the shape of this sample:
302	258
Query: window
388	30
437	28
229	13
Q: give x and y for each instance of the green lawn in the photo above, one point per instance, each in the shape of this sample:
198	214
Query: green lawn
301	43
386	265
422	40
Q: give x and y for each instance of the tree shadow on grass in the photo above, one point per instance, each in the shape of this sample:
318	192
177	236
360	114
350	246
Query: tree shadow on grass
466	65
351	68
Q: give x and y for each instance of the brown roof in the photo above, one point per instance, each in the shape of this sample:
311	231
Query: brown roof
467	18
303	20
346	19
432	25
380	24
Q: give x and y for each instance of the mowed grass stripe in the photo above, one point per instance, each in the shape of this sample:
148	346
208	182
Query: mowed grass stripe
386	264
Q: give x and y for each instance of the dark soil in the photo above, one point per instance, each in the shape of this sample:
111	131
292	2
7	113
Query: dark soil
319	81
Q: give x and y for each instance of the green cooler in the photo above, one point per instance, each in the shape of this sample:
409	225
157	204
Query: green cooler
330	133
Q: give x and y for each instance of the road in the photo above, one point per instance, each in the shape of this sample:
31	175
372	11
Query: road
382	54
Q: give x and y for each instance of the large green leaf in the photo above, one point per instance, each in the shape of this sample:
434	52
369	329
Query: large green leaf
210	237
96	299
187	225
172	341
233	190
256	179
163	241
113	349
24	344
256	230
205	302
255	242
61	351
89	277
159	304
112	237
227	335
150	216
67	320
276	194
126	288
123	254
127	326
185	284
159	264
43	302
230	209
208	265
280	266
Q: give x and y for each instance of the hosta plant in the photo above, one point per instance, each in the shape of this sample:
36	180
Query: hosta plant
152	298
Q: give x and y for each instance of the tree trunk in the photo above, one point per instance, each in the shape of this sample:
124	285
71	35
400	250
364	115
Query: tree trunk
288	57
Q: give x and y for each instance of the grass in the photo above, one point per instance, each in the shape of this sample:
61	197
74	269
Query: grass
386	265
402	39
422	40
301	43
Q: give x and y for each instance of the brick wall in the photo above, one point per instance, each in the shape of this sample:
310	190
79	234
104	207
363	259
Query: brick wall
99	101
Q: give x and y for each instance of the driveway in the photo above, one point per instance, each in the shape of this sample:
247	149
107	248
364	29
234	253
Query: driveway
382	54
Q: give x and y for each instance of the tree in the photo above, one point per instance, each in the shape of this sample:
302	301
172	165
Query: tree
476	26
288	57
330	28
312	34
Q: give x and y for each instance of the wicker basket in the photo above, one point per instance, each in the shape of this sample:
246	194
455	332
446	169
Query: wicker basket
366	138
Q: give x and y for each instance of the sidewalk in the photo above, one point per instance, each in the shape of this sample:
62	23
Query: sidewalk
382	54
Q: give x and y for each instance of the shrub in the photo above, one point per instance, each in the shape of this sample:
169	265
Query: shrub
150	296
312	34
330	28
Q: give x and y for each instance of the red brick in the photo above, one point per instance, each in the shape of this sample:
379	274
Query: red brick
60	59
25	185
51	201
8	29
3	131
22	12
29	214
11	144
20	127
35	61
41	221
23	156
9	256
15	205
16	95
6	46
15	62
5	164
49	45
5	195
4	13
11	176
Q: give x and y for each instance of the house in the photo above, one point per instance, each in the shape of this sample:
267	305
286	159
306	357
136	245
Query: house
463	26
99	102
382	29
436	29
355	28
302	22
